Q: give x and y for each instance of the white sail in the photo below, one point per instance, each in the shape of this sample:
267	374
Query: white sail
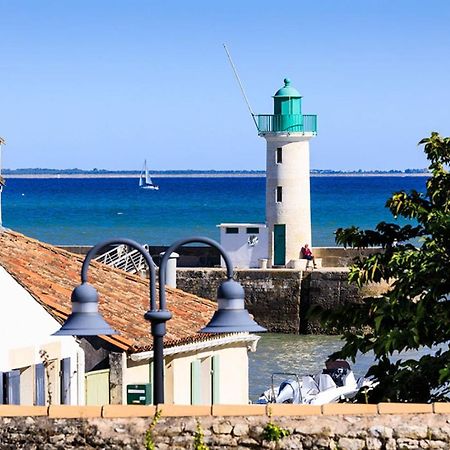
145	182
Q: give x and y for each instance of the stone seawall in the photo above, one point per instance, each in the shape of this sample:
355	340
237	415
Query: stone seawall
331	427
280	298
272	296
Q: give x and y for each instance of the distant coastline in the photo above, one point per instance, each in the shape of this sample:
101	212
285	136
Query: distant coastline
78	173
204	175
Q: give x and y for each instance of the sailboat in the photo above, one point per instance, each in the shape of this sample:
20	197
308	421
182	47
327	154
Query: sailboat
145	182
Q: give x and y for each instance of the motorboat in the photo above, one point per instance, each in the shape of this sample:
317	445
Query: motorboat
335	383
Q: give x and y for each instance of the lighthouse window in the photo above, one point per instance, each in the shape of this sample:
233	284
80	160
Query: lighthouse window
279	194
279	155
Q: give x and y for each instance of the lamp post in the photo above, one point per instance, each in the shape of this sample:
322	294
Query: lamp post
231	315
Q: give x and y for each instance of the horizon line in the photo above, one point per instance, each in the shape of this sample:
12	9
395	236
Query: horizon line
49	171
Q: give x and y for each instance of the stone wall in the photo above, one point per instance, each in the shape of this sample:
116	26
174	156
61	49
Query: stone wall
327	289
272	295
280	298
331	427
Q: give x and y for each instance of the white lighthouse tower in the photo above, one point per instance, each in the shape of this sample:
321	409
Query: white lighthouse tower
288	206
287	229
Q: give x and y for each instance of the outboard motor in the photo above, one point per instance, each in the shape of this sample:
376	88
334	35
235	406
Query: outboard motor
338	375
338	371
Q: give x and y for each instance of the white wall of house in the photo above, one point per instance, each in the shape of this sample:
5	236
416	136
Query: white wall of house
189	377
25	332
245	243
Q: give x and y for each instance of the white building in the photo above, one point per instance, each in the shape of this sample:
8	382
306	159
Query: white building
245	243
36	282
35	367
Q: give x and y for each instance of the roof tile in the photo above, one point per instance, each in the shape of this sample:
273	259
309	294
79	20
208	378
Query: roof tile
50	274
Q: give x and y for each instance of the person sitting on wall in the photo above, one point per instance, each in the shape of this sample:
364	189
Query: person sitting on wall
307	254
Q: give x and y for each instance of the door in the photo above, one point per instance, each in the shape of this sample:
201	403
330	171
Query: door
279	245
97	387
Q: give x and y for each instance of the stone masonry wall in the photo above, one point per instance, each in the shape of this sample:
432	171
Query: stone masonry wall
366	428
327	289
272	296
279	299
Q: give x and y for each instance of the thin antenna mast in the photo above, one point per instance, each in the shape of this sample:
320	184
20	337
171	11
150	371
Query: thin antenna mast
240	86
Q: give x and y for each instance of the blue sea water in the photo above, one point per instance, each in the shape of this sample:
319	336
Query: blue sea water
88	210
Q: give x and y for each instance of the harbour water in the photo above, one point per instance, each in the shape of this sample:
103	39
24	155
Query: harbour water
303	355
85	211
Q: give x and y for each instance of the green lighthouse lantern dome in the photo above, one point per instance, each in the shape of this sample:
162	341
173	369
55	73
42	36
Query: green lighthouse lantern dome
287	90
287	100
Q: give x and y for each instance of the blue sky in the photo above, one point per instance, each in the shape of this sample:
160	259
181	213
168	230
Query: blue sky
107	83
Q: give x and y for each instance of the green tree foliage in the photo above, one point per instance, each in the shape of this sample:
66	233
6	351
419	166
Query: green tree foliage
415	311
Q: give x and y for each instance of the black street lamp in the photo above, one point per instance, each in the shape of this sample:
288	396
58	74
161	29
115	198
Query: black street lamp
230	317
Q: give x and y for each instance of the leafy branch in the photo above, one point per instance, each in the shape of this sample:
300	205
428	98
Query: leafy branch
414	312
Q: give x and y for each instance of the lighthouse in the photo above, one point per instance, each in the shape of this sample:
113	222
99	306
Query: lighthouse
288	206
278	241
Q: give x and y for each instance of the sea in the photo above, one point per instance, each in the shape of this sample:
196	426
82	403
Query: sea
84	211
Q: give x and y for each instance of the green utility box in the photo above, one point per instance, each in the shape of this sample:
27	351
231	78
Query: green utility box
139	394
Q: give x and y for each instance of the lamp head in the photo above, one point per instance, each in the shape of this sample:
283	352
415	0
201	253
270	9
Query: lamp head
85	319
231	315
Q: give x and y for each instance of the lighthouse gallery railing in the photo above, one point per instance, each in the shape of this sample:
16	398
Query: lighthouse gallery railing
295	123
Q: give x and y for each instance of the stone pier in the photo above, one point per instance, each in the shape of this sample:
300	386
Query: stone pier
280	298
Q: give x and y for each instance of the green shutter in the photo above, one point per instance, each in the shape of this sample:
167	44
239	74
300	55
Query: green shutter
195	382
97	387
215	381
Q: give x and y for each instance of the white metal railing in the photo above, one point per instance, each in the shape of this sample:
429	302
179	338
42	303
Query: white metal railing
121	257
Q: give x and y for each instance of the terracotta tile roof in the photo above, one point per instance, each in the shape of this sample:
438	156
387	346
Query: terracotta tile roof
50	274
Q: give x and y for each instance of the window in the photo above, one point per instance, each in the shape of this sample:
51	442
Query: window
279	155
26	388
279	194
252	230
232	230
